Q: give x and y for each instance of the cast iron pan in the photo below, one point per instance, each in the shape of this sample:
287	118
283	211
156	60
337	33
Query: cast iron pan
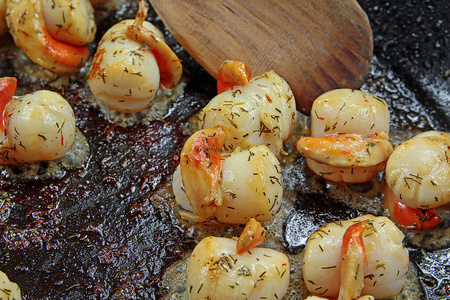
109	231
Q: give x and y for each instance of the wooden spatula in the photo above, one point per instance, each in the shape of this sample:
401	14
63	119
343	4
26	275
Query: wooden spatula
315	45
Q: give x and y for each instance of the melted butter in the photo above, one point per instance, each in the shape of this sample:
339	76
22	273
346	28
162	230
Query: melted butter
31	71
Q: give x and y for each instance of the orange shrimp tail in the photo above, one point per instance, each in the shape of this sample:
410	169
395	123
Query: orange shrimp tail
252	236
141	14
64	54
201	169
412	219
8	86
354	260
206	155
232	73
166	69
353	239
415	219
170	68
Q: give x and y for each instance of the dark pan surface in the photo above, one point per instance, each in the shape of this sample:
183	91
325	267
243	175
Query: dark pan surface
108	231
